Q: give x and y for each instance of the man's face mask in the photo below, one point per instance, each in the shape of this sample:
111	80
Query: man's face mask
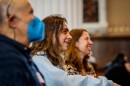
36	29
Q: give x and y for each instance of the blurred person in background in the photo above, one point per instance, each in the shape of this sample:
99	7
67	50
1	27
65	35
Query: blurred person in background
119	70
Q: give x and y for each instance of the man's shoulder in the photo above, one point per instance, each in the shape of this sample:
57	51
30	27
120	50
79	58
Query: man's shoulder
7	48
10	54
10	58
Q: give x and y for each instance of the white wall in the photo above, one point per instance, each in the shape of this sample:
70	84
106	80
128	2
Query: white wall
72	10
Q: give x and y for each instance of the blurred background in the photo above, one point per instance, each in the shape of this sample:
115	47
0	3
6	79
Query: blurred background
108	22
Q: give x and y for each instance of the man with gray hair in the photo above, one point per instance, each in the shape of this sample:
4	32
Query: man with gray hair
18	27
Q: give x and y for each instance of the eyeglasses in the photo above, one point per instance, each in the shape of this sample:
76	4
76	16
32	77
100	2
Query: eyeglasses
7	13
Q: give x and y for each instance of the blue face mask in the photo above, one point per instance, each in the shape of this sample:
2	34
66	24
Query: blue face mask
36	30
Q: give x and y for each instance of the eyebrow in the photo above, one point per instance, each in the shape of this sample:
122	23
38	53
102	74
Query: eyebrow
65	29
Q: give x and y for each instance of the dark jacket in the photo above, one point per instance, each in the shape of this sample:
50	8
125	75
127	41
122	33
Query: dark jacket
16	66
118	74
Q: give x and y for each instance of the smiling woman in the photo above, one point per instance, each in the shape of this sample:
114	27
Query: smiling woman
78	52
56	39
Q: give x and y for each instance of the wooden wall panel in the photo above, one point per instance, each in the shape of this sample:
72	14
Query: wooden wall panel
104	49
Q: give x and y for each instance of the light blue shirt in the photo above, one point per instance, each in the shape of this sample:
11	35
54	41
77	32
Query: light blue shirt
57	77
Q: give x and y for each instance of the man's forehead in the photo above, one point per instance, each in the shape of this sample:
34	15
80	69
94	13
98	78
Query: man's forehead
20	3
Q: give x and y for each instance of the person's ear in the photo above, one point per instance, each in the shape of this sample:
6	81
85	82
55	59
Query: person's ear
12	21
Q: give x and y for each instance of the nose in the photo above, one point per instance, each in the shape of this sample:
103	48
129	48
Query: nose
91	42
69	36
